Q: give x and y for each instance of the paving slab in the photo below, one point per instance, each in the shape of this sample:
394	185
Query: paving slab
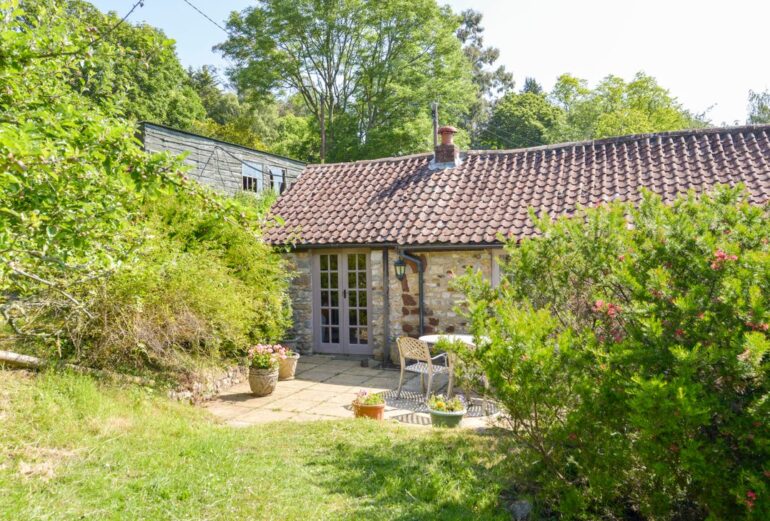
334	388
335	410
292	405
380	383
323	389
318	375
342	399
347	379
297	384
314	395
364	371
226	411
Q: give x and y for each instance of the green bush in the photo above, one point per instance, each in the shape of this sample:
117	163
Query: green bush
110	255
632	359
197	286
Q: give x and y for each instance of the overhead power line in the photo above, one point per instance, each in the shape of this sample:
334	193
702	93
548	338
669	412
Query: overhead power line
506	139
102	36
207	17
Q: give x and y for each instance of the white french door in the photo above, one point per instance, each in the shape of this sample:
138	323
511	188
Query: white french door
341	302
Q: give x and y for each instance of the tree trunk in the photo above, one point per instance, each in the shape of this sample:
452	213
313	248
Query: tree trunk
323	130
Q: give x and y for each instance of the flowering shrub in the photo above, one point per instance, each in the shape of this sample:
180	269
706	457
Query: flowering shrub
444	404
265	356
633	360
366	398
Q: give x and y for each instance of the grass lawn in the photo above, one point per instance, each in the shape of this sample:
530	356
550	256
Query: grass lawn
72	448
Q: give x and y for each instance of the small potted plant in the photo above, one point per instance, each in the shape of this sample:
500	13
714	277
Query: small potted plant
287	362
368	405
446	412
263	369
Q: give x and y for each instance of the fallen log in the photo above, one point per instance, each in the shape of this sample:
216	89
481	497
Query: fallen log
23	361
32	362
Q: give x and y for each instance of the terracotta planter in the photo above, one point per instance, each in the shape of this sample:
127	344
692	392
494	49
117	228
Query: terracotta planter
446	418
287	367
263	381
369	411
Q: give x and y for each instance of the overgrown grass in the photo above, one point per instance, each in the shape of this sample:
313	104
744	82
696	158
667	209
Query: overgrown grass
74	449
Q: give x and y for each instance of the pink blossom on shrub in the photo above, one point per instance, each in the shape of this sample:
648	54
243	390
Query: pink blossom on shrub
751	498
721	257
762	326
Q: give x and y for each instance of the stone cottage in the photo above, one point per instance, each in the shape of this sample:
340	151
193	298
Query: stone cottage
376	243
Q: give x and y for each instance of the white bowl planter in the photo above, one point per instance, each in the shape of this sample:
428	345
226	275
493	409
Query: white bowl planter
287	367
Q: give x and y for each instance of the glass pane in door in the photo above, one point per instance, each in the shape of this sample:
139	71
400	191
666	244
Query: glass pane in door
330	310
358	298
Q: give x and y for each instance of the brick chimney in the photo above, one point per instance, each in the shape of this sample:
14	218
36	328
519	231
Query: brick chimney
447	151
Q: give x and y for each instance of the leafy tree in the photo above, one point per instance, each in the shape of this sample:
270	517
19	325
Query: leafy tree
296	134
759	107
221	107
79	198
616	108
521	120
275	126
490	82
366	71
136	68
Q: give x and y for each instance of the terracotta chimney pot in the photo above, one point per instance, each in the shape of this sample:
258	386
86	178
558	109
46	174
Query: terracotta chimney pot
447	134
447	151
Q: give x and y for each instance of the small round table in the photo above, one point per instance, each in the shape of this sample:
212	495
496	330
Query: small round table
465	339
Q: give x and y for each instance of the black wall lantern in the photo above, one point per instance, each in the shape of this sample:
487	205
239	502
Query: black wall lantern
400	267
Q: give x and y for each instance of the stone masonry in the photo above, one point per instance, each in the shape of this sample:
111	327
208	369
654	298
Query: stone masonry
300	291
441	299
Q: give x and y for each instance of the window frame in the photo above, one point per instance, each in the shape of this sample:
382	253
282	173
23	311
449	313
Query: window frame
252	181
281	173
495	256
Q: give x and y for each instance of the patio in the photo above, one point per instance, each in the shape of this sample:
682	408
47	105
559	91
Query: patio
324	388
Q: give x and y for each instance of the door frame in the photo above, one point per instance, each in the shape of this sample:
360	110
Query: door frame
315	278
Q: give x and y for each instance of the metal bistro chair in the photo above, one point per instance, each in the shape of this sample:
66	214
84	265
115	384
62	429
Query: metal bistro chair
413	349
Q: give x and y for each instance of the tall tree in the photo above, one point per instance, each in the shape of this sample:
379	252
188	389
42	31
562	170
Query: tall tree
221	106
616	107
491	82
365	70
532	86
521	120
759	107
136	69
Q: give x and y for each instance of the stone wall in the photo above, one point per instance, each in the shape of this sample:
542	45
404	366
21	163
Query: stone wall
217	163
377	310
300	290
207	384
440	298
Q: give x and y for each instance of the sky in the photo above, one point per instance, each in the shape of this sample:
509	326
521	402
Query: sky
708	53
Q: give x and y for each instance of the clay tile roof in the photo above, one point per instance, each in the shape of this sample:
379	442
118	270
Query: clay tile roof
402	201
